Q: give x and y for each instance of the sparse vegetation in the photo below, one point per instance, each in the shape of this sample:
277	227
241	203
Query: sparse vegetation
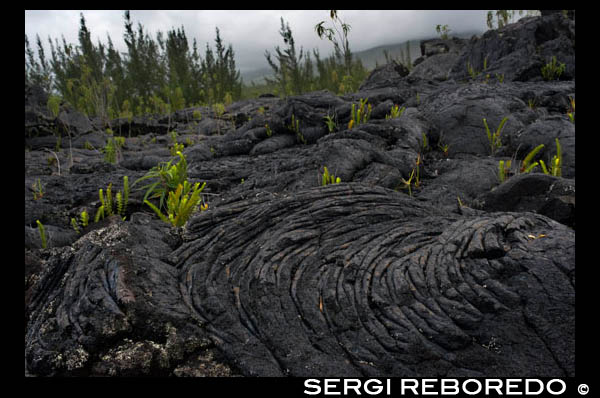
42	232
361	114
552	70
181	204
327	178
555	163
494	138
395	112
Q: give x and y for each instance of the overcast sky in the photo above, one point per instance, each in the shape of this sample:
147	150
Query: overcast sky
251	32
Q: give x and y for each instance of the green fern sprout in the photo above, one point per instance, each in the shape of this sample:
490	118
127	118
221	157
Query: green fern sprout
471	71
38	192
526	165
504	169
75	225
331	125
395	112
571	111
84	218
295	127
181	204
42	231
100	212
269	132
555	162
424	143
408	183
361	114
494	139
327	178
109	200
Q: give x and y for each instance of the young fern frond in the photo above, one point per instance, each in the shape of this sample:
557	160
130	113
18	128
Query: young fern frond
119	199
494	138
526	167
42	231
328	178
75	225
99	214
109	200
84	218
125	195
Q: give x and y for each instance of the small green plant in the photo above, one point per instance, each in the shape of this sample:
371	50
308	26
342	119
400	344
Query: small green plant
361	114
531	103
443	31
552	70
555	162
472	71
84	219
295	127
504	169
107	203
53	105
219	110
395	112
38	192
571	110
408	183
181	204
327	178
261	110
167	178
330	122
418	169
526	165
197	115
500	77
175	147
494	138
443	146
269	132
112	150
88	146
424	143
42	232
75	225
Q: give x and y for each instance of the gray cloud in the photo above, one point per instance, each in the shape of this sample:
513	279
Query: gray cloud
251	32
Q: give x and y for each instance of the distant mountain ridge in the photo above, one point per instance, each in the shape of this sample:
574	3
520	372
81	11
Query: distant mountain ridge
370	57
